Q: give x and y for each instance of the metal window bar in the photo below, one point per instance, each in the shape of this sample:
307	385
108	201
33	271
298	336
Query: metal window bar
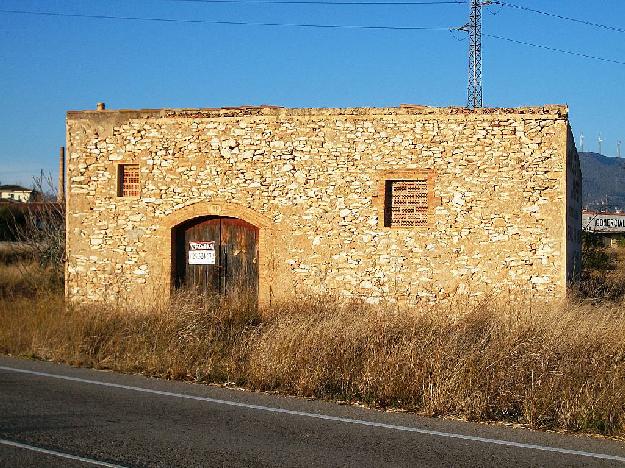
129	180
409	203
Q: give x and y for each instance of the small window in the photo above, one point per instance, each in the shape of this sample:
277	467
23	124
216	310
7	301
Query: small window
406	203
128	180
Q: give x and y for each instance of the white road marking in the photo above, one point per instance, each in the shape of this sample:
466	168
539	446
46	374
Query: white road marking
58	454
326	417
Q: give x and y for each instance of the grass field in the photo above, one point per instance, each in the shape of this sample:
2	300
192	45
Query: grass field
545	366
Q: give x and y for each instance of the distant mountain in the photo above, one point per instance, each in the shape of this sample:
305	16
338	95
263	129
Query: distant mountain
603	183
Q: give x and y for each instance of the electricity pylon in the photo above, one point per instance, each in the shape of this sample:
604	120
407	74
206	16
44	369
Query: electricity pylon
474	28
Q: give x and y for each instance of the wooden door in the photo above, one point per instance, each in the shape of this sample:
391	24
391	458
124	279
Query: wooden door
218	255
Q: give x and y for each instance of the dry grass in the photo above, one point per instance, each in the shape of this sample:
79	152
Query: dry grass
603	277
12	253
545	366
180	341
549	368
21	275
553	367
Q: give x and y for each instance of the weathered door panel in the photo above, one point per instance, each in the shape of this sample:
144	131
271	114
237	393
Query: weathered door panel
235	271
239	253
203	277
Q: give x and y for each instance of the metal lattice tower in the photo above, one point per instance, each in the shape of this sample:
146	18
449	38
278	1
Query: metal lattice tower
475	55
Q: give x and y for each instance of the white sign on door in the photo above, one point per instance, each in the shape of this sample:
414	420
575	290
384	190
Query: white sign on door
202	253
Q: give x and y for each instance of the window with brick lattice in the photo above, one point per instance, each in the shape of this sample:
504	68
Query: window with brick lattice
128	180
406	203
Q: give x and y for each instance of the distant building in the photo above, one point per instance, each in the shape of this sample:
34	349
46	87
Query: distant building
609	227
599	222
16	193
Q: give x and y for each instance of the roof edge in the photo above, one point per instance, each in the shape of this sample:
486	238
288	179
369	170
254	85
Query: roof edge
557	111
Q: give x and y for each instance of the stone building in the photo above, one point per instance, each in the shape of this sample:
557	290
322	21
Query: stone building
403	204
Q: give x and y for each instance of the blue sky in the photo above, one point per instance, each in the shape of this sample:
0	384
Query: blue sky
50	64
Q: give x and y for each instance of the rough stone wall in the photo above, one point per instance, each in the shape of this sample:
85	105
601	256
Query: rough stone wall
310	180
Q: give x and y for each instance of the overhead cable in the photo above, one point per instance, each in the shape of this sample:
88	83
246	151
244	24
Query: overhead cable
562	17
328	2
555	49
232	23
304	25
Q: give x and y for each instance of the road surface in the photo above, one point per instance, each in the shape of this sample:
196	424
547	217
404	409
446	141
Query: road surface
54	415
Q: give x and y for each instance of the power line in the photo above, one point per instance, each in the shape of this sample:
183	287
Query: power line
230	23
328	2
562	17
303	25
555	49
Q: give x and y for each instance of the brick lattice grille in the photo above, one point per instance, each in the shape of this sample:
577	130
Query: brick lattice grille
409	203
129	180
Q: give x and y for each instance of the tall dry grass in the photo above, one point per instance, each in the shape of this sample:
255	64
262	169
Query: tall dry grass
186	340
550	367
21	274
603	274
546	366
558	367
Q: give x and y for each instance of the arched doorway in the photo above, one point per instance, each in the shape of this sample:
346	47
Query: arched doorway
217	255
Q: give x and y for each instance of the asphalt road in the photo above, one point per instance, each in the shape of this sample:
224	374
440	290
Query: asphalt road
50	413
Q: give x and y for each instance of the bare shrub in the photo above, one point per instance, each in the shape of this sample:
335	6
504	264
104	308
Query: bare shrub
13	253
39	232
26	280
10	216
603	273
